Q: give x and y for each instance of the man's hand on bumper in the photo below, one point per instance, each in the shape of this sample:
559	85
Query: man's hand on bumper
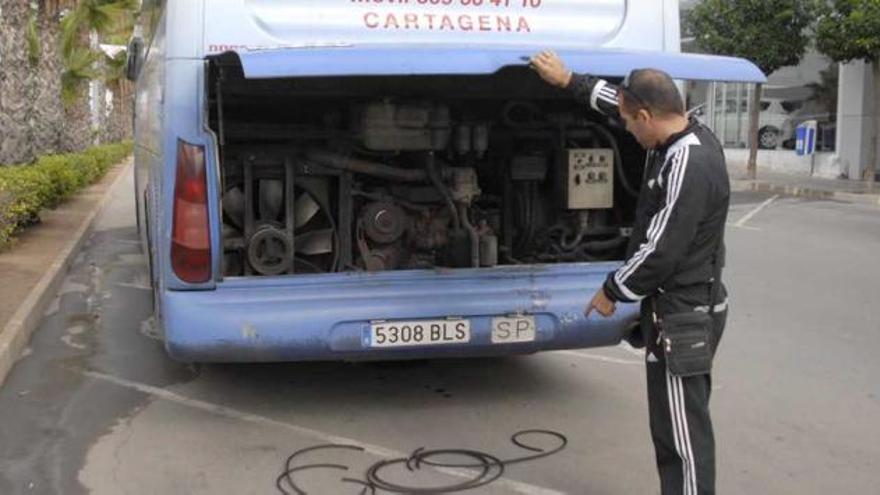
601	303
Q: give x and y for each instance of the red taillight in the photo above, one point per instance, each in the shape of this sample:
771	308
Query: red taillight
190	233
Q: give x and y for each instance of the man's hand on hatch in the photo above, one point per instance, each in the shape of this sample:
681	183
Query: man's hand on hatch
601	303
550	67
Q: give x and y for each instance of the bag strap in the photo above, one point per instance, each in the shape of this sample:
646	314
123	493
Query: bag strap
719	264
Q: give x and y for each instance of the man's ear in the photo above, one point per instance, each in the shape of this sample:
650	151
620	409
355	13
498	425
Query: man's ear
644	114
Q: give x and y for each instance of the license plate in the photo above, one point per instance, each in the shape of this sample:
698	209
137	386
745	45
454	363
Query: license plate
419	332
513	329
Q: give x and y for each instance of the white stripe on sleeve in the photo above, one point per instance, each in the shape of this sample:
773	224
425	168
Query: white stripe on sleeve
625	290
595	94
608	95
661	218
656	221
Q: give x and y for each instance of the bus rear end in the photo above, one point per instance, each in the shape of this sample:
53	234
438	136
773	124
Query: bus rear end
390	181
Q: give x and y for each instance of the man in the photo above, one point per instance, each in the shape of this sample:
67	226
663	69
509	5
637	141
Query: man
674	256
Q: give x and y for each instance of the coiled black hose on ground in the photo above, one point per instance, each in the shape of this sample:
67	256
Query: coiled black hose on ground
481	468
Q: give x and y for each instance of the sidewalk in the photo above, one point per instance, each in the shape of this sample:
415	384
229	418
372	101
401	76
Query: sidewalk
808	187
32	269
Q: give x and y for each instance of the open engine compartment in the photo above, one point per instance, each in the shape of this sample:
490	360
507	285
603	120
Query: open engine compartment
407	172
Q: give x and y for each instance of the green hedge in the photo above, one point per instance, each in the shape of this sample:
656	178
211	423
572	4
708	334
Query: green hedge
25	190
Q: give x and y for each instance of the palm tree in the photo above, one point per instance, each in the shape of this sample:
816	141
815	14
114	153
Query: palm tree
119	126
48	114
45	69
80	31
78	71
15	143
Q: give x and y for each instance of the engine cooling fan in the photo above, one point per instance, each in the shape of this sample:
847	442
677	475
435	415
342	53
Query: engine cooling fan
272	245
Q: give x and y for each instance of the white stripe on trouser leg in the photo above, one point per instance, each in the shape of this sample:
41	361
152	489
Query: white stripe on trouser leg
687	435
688	458
676	432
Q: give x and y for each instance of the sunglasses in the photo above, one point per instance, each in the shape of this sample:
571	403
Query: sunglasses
631	95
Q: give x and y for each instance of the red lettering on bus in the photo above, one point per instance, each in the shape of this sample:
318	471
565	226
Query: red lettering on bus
371	20
484	23
446	23
463	22
391	21
411	19
504	22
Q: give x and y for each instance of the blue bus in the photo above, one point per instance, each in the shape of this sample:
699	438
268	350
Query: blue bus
374	180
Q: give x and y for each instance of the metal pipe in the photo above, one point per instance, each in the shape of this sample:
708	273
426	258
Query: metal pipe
606	245
431	170
474	235
359	166
248	206
290	212
583	224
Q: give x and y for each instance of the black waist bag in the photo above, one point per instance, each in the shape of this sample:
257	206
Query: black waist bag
686	339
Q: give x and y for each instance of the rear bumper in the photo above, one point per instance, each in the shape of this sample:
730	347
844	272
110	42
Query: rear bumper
327	317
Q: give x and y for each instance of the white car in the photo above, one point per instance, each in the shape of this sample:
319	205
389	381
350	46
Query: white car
776	121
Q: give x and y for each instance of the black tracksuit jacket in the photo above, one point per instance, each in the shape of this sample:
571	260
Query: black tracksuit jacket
680	217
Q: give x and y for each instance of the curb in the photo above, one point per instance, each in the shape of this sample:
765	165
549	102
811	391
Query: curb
804	192
16	334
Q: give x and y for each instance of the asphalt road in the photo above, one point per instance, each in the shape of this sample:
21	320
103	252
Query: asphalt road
95	406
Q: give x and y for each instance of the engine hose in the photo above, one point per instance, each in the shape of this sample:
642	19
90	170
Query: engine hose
618	158
604	245
530	215
583	224
524	213
380	170
435	179
530	107
474	235
568	246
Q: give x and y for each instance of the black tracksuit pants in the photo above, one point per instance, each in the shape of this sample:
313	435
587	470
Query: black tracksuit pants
681	426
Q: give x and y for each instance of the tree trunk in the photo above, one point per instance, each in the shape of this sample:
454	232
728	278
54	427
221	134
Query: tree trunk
120	121
752	168
77	133
15	142
48	113
98	92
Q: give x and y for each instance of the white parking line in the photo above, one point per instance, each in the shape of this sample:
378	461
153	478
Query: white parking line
320	436
745	227
632	350
597	357
748	216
